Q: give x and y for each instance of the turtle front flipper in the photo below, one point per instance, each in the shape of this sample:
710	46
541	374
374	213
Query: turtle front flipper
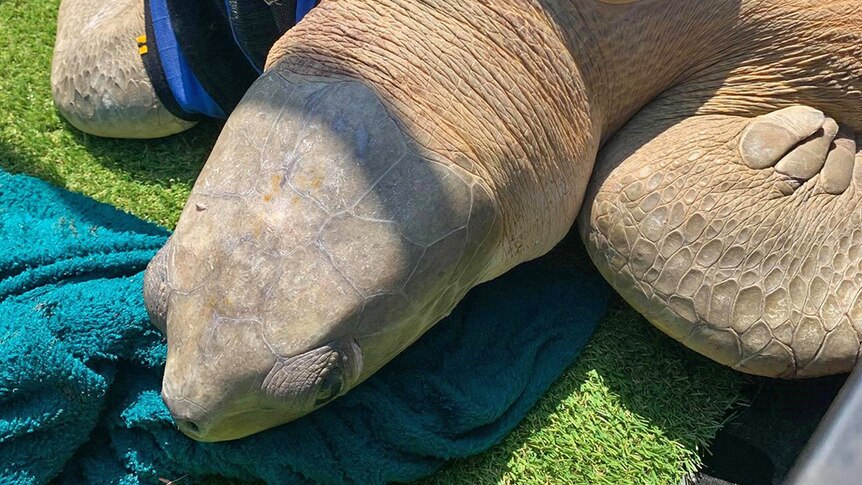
98	79
740	237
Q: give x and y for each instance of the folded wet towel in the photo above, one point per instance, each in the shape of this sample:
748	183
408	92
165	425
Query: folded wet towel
80	365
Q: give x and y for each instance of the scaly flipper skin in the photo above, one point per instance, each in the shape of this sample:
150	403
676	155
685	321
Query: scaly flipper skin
98	79
741	238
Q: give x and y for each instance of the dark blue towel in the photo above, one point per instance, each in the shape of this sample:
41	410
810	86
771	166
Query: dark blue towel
80	366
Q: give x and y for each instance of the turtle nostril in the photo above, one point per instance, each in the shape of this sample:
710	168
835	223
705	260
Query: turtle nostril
188	426
189	417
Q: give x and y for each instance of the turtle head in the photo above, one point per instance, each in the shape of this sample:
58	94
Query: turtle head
316	245
232	372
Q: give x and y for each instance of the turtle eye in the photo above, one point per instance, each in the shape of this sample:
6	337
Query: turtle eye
330	387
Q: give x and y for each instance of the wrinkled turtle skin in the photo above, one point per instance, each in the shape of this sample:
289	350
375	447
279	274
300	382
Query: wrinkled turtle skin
397	153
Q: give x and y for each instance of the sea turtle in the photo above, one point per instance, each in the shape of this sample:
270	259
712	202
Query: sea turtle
396	153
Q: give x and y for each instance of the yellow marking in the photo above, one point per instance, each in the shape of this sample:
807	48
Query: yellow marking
142	50
142	39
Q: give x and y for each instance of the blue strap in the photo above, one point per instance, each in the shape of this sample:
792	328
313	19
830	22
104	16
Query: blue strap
303	7
187	90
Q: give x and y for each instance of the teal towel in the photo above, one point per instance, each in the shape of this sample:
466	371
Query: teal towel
80	366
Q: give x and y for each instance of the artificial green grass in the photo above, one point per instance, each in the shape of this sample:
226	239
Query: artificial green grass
636	408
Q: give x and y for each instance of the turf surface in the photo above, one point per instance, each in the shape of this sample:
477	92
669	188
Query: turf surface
636	408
